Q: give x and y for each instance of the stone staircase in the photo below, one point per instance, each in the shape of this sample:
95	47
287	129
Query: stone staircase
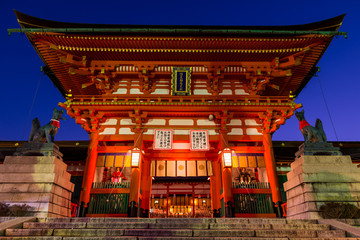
200	228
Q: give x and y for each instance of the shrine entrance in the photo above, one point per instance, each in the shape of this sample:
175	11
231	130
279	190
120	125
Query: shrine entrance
186	199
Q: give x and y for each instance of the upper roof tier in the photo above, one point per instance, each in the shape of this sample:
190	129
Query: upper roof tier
293	50
27	21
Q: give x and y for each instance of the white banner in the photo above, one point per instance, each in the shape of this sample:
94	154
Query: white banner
199	140
163	139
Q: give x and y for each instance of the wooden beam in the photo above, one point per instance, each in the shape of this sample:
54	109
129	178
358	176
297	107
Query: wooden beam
182	155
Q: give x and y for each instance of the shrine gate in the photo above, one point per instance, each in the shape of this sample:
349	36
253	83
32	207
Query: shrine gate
180	118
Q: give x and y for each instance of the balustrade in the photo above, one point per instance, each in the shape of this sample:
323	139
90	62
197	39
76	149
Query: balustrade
252	198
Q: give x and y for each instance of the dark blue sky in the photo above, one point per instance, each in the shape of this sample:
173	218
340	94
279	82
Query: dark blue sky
339	77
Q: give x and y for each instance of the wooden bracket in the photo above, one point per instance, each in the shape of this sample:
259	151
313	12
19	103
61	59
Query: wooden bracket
138	118
146	75
215	73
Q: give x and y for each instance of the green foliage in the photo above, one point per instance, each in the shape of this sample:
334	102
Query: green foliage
16	210
339	210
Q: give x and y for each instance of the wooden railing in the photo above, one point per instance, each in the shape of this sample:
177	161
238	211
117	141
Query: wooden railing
109	199
251	199
108	203
251	185
169	100
100	185
253	204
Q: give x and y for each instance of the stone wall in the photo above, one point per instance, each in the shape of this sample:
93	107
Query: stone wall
41	182
316	180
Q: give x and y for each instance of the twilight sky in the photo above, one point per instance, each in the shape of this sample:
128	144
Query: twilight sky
340	82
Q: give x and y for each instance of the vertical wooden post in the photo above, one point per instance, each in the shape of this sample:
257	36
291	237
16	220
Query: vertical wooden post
271	167
135	180
227	191
134	191
145	186
226	179
89	171
215	187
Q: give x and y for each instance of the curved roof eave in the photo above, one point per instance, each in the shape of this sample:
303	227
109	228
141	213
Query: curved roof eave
332	24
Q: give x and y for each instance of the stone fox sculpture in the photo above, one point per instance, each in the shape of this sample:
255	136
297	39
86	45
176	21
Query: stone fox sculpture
47	132
310	133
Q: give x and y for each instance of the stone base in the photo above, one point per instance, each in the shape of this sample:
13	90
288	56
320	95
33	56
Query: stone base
316	180
39	149
41	182
318	148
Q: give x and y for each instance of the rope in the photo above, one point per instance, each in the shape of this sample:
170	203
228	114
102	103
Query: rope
327	108
31	108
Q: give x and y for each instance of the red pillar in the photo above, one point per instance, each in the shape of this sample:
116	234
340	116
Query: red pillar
227	191
271	167
215	187
226	178
134	191
135	179
145	186
89	171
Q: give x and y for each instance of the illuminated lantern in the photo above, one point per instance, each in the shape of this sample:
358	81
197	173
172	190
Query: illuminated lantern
135	157
226	157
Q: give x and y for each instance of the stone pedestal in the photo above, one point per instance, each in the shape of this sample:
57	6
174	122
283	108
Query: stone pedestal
41	182
316	180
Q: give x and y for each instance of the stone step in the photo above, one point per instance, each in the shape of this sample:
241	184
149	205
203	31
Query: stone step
332	238
304	221
47	225
159	233
29	232
99	220
182	221
224	233
173	238
88	232
232	220
206	228
139	225
117	225
115	220
331	233
242	226
95	238
300	233
32	238
179	226
185	220
267	220
68	238
212	238
301	226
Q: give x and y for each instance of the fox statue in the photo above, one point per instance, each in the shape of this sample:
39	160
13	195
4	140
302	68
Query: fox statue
47	132
310	133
